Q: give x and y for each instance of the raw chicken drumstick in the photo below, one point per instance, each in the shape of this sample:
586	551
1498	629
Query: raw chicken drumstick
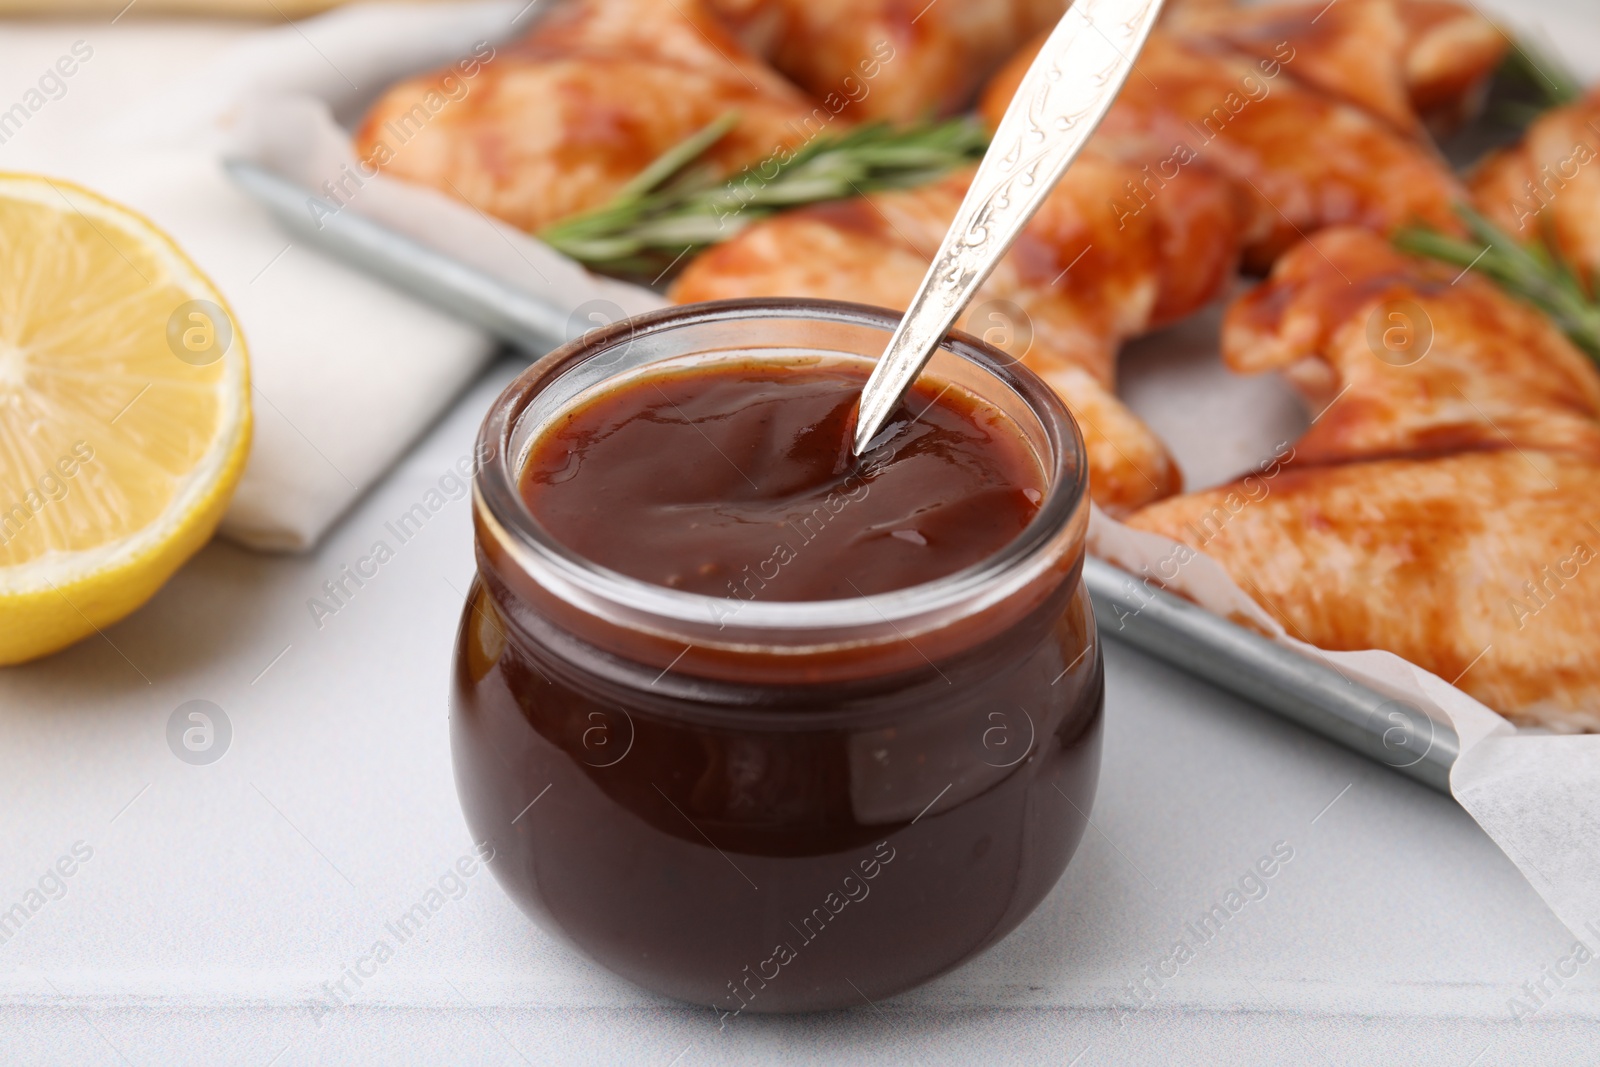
1548	185
559	121
889	59
1302	159
1443	505
1412	63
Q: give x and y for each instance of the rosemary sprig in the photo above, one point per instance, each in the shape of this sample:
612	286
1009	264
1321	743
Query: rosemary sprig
1532	272
677	204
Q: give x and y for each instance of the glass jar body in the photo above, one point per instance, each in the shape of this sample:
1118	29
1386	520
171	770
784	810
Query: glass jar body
777	848
773	806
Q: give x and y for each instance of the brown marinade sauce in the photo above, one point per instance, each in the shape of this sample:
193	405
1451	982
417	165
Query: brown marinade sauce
736	480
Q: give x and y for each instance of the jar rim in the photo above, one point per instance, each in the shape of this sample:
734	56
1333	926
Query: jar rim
499	503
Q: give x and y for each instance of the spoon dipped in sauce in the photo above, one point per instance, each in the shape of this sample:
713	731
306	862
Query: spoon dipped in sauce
1060	102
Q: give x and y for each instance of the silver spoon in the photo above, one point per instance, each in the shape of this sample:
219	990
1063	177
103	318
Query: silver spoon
1058	105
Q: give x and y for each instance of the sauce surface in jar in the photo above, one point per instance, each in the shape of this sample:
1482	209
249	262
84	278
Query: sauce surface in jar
735	479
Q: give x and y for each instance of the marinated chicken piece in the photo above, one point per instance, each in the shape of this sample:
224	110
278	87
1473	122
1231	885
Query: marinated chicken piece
1302	159
1179	14
1451	54
1409	357
1409	62
1548	185
889	59
1442	506
559	121
1352	50
1080	280
1482	567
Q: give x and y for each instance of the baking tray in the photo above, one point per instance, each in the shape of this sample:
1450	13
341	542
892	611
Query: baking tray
1279	679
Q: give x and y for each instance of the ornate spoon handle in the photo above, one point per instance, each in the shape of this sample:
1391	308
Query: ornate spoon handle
1058	105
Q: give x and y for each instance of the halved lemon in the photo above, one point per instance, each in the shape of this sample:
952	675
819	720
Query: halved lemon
124	412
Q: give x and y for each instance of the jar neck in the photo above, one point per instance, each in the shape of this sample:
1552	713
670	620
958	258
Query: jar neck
902	635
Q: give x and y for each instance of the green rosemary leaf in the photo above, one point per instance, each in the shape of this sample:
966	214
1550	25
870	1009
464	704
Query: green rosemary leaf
677	204
677	158
1532	272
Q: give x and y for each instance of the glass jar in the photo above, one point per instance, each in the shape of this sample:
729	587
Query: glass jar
775	806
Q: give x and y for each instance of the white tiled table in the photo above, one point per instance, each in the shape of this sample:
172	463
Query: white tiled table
218	899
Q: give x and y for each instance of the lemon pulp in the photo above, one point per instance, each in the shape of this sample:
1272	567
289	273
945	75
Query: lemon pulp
124	412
